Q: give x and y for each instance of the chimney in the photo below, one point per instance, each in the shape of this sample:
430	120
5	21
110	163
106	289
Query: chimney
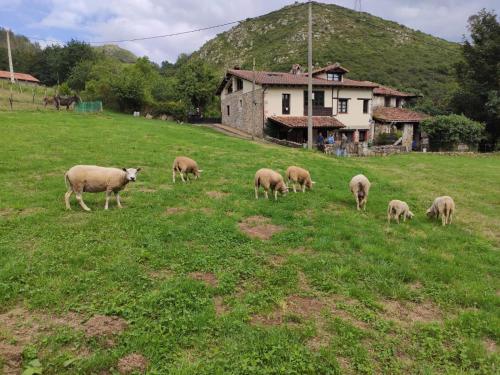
296	69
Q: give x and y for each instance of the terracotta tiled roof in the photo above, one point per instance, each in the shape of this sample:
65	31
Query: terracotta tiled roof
279	78
329	68
389	91
301	121
18	76
392	114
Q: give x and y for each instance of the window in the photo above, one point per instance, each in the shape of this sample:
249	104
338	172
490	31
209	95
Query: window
366	103
318	99
398	102
230	88
285	104
241	103
334	76
362	135
239	84
387	101
343	105
228	110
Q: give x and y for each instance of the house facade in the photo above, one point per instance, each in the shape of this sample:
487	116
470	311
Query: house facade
279	104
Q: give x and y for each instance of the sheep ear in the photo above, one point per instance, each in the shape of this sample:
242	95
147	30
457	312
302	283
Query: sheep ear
124	169
138	169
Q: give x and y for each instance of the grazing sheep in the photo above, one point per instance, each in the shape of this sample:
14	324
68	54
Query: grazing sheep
300	176
442	206
360	186
396	209
185	165
94	179
269	179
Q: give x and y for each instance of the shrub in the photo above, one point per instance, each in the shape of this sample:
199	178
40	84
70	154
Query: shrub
446	132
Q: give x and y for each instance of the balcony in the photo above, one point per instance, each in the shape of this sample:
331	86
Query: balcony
319	111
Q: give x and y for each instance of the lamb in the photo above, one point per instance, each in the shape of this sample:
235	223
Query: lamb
360	186
269	179
396	209
185	165
94	179
444	206
300	176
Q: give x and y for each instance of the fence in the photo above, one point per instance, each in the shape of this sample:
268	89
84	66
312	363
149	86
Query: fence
23	96
85	107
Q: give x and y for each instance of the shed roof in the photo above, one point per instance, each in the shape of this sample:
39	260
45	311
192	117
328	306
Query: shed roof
392	114
18	76
301	121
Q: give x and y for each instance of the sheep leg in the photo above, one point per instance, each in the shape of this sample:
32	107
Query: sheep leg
106	205
256	192
173	176
294	189
357	202
443	219
303	187
66	198
187	176
182	176
449	218
82	203
118	202
265	194
276	195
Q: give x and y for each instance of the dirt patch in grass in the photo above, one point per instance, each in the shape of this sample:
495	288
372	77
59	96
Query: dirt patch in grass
490	346
301	251
217	194
220	307
207	277
206	210
174	210
132	363
303	282
102	325
19	327
165	187
417	285
10	212
409	312
259	227
276	260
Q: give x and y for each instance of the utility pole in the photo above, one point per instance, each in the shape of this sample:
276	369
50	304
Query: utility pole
309	83
11	68
253	100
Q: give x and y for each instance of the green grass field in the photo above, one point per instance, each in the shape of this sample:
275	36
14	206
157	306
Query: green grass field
335	291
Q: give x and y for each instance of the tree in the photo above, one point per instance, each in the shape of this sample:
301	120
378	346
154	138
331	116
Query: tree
447	131
479	75
196	82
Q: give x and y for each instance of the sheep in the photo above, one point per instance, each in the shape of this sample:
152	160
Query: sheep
300	176
185	165
94	179
269	179
444	206
396	209
360	186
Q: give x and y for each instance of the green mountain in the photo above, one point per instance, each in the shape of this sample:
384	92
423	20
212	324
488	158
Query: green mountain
370	47
116	52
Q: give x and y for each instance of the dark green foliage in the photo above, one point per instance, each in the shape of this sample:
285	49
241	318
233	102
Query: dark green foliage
479	77
447	131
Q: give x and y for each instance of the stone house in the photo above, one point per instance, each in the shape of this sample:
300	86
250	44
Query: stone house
340	104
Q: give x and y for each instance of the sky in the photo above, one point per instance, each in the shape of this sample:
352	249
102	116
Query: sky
103	20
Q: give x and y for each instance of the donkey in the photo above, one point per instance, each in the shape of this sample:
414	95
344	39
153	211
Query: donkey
49	100
66	101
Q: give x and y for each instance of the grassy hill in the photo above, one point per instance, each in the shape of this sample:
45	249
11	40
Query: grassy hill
370	47
333	290
116	52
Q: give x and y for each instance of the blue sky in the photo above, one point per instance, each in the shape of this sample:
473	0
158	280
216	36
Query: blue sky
97	20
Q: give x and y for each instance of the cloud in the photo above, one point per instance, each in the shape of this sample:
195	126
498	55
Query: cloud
101	20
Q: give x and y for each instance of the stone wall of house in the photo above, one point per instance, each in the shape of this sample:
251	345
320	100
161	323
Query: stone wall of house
240	112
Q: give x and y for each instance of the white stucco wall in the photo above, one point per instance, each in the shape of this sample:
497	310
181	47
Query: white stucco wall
354	118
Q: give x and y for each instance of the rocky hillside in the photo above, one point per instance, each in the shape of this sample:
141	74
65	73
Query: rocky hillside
370	47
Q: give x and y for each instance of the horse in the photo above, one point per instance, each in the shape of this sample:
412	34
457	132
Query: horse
66	101
49	100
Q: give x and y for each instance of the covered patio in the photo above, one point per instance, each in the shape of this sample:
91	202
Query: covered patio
294	128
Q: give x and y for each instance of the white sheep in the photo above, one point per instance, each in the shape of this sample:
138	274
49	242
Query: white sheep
269	179
396	209
94	179
442	206
300	176
184	165
360	186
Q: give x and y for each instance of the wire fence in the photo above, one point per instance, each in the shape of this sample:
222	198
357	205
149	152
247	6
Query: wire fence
88	107
25	96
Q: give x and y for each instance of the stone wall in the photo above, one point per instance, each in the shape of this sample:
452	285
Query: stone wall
240	112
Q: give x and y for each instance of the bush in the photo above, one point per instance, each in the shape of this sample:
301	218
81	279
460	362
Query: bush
446	132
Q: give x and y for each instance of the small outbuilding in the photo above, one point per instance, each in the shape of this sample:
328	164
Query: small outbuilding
20	77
